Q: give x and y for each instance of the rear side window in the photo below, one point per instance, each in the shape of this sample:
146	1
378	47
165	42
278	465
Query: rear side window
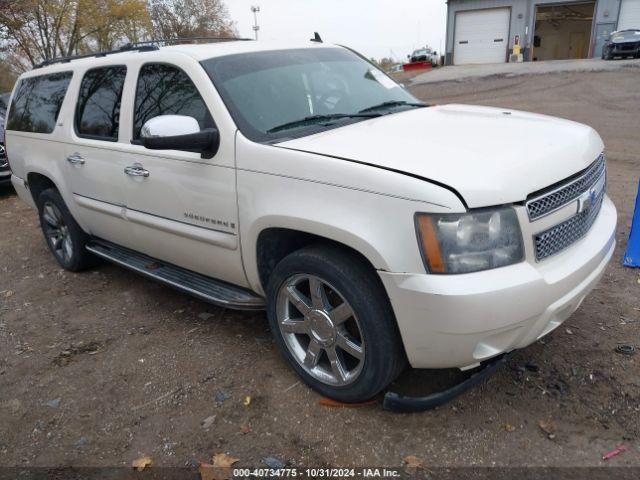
166	90
37	102
98	108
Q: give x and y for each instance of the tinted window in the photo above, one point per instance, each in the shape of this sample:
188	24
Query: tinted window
166	90
37	102
98	109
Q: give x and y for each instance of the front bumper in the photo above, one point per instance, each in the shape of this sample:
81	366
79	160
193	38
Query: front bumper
451	321
622	51
5	177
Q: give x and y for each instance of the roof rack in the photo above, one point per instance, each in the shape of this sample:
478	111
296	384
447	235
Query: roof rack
163	42
146	46
126	48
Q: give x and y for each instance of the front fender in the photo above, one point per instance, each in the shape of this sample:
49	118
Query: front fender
306	225
366	208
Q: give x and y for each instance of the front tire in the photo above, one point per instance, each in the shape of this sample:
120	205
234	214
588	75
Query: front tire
65	238
332	320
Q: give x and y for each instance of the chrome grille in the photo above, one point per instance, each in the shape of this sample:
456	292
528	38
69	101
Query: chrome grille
549	202
561	236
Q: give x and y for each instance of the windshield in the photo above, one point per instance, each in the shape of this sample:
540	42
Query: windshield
282	94
633	35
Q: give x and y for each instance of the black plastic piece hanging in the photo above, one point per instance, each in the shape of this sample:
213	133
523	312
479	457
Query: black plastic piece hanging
400	404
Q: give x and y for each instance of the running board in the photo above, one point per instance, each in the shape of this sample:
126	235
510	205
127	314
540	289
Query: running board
200	286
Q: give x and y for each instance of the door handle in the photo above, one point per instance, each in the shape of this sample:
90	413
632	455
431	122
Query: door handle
75	159
136	170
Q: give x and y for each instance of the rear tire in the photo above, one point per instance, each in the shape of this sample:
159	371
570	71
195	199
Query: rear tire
66	240
343	339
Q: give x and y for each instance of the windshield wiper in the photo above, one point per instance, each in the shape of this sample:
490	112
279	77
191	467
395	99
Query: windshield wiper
393	103
313	119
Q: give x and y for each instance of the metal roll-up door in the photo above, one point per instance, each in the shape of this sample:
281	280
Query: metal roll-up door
481	36
629	15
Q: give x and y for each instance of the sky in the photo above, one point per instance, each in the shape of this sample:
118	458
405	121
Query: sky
375	28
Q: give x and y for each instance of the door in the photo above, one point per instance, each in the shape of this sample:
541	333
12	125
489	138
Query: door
629	15
481	36
577	45
94	161
182	207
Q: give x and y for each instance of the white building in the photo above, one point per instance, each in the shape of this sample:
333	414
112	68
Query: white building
485	31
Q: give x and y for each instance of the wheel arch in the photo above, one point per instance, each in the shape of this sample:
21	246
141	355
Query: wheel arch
272	243
39	182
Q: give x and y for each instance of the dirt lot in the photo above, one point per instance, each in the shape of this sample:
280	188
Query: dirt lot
99	368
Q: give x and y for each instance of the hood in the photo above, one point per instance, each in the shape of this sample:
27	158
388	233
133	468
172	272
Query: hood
632	36
490	156
625	40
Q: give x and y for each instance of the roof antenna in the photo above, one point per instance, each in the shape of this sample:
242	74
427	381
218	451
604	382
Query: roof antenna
316	37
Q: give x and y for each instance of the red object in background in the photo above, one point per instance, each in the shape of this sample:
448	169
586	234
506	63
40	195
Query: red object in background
416	66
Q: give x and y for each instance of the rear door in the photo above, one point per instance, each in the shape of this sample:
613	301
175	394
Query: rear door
481	36
184	212
94	160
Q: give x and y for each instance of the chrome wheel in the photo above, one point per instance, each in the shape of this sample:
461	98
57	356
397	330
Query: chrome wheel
320	330
57	232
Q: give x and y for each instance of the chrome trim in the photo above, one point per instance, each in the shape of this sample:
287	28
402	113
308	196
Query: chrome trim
136	170
559	237
4	161
592	174
320	324
120	210
75	159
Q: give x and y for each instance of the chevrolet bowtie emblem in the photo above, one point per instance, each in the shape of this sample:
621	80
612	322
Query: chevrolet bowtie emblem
586	200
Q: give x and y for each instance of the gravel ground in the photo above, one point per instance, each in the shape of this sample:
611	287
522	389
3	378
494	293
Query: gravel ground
103	367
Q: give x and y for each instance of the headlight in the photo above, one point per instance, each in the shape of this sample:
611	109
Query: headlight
469	242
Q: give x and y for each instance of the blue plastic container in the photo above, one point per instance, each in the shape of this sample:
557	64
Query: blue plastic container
632	255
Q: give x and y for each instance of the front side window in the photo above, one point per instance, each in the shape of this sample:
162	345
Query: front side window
166	90
280	94
98	108
37	103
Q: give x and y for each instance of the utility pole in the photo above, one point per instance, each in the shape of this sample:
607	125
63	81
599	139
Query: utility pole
256	27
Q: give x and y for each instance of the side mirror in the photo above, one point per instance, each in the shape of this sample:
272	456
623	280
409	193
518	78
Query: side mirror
179	132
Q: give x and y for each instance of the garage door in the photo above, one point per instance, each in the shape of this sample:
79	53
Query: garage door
481	36
629	14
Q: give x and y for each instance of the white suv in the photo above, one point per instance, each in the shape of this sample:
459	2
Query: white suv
294	178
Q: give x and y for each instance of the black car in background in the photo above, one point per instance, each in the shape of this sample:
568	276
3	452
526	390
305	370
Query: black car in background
625	43
5	173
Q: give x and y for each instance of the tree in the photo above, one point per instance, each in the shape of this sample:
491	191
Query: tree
7	79
116	22
190	18
35	30
385	63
